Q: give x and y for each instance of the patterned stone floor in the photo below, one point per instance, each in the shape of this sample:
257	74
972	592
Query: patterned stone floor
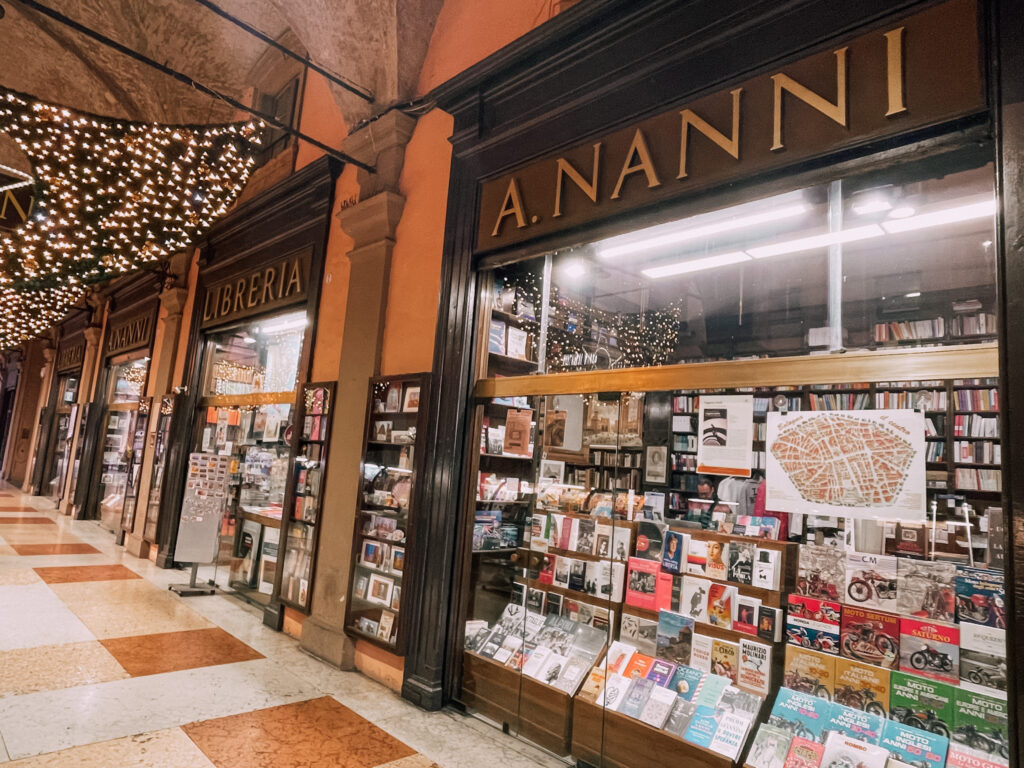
102	666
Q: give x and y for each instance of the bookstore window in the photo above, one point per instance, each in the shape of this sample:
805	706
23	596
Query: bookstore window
804	574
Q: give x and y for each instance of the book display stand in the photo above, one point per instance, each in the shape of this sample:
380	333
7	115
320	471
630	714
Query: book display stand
393	462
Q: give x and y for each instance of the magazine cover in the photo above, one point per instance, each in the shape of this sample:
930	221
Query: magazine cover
802	714
983	658
718	560
821	572
809	672
686	681
755	664
675	637
930	649
982	724
721	602
871	581
855	723
741	562
661	672
862	686
926	589
725	658
913	745
693	601
870	636
844	751
804	753
703	725
980	596
640	633
922	703
770	747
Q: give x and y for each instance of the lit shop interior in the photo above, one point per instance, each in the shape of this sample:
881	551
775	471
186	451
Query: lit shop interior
640	582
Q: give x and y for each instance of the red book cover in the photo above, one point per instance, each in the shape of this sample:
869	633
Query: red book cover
930	649
804	753
721	599
546	575
638	666
642	583
870	636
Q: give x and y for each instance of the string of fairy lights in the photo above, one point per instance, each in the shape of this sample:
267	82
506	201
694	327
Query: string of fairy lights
110	196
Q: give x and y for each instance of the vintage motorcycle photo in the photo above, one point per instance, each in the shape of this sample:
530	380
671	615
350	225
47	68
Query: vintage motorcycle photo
797	682
982	609
929	658
989	676
924	721
867	642
859	698
871	583
986	742
813	585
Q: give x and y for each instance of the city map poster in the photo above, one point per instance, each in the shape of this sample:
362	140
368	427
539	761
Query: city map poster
861	464
725	426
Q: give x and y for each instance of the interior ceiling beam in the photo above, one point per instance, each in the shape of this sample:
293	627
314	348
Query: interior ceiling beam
183	78
348	85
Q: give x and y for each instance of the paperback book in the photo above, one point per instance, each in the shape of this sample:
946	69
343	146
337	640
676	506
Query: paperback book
930	649
920	701
856	723
658	707
871	581
926	589
721	604
767	572
637	694
640	633
686	681
843	750
650	540
804	753
809	672
870	636
673	558
770	747
741	562
821	572
647	586
700	652
718	560
913	745
769	623
813	623
711	690
862	686
983	658
746	614
755	662
730	735
980	596
614	692
986	716
693	601
680	717
675	637
725	658
702	727
800	713
661	672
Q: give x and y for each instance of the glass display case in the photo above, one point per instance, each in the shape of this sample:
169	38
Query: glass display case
385	522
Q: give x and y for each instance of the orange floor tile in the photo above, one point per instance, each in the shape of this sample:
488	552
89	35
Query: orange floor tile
79	548
26	521
71	573
172	651
315	733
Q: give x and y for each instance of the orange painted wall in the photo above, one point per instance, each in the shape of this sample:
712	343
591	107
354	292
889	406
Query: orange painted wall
468	31
320	119
413	291
186	322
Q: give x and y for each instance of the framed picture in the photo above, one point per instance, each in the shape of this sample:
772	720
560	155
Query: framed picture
398	559
382	431
396	598
656	464
412	399
372	553
393	402
361	583
552	470
379	590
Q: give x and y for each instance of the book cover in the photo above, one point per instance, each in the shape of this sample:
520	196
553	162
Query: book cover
741	562
843	750
546	574
539	532
769	623
742	703
813	623
639	665
574	671
675	637
642	583
618	656
586	536
862	686
922	703
565	533
913	745
650	540
821	572
804	753
680	717
702	727
658	707
637	694
621	541
686	681
552	669
693	601
871	581
614	692
746	614
718	560
809	672
980	596
930	649
673	557
962	756
578	574
802	714
697	557
725	658
767	572
495	338
516	341
661	672
603	540
700	652
926	589
640	633
983	658
711	689
982	723
730	735
770	747
855	723
870	636
721	601
594	684
755	663
574	533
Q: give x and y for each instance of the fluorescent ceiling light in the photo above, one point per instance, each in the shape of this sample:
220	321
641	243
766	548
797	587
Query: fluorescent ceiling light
684	234
696	265
284	324
902	212
248	340
872	205
574	268
816	241
912	295
979	210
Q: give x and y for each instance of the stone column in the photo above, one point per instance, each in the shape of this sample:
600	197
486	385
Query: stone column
161	371
93	334
46	376
371	223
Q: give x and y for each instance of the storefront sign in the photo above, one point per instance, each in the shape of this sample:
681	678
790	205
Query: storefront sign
260	290
70	356
920	71
132	333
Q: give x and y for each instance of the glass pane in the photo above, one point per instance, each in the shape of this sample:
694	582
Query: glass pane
128	381
261	356
115	465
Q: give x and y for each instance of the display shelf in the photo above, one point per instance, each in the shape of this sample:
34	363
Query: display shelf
389	493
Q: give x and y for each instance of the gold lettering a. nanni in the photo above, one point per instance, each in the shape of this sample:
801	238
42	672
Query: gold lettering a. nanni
784	83
512	205
565	168
637	149
730	144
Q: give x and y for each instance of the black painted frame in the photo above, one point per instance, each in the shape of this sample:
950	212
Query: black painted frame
609	63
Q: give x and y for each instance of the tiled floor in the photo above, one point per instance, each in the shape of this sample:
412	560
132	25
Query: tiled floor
102	666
